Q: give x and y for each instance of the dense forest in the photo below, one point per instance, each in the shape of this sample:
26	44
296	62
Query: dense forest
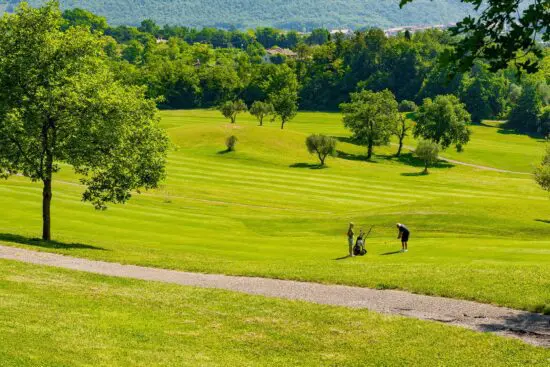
189	68
184	67
299	15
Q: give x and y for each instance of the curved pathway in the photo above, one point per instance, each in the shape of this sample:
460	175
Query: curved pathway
460	163
530	327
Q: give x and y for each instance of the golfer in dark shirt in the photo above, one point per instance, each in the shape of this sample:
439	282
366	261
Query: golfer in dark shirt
404	236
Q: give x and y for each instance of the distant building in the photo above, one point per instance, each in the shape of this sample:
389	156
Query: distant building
277	52
415	28
161	40
347	33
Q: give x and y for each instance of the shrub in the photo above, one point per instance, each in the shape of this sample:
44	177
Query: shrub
321	145
407	106
230	143
231	109
261	110
428	151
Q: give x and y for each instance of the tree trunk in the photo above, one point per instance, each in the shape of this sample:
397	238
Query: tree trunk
425	169
46	203
261	121
282	124
400	148
369	153
322	159
47	172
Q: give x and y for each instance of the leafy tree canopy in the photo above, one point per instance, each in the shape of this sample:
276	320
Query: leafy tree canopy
231	109
285	104
372	117
261	110
321	145
428	151
443	121
503	31
60	104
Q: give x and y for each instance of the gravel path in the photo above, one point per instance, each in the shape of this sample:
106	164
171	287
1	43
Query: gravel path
531	328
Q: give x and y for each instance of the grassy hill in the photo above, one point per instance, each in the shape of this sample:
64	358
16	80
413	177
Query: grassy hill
286	14
265	210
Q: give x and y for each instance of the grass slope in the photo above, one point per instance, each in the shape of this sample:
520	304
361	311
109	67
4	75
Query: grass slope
59	318
286	14
265	210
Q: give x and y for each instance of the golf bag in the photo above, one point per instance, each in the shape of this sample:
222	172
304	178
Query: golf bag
359	248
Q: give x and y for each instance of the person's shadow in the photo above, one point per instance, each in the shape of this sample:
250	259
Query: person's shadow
391	253
343	258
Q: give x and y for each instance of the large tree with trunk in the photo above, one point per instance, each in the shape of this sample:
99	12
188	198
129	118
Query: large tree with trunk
60	106
285	105
444	121
372	117
401	131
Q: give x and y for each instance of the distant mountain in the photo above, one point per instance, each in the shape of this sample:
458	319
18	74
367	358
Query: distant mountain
286	14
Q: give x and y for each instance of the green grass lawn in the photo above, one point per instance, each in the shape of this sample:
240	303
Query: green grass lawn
52	317
265	210
495	146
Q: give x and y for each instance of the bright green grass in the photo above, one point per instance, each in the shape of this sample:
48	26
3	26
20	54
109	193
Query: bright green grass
494	146
51	317
475	234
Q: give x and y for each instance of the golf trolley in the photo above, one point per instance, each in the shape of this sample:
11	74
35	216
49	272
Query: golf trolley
359	248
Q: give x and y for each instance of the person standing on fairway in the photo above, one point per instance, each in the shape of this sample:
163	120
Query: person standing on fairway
404	236
350	239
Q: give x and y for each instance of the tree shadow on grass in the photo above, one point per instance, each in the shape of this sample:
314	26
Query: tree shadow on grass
411	160
8	237
508	131
542	221
390	253
225	151
345	139
414	174
307	165
353	157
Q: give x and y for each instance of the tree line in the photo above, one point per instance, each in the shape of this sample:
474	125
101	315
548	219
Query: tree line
205	68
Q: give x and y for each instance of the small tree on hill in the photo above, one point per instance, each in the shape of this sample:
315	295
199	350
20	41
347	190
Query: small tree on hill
371	116
428	151
231	109
321	145
61	104
542	171
261	110
401	130
230	143
444	121
285	105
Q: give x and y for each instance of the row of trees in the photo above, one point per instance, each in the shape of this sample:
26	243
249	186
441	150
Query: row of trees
373	117
282	105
